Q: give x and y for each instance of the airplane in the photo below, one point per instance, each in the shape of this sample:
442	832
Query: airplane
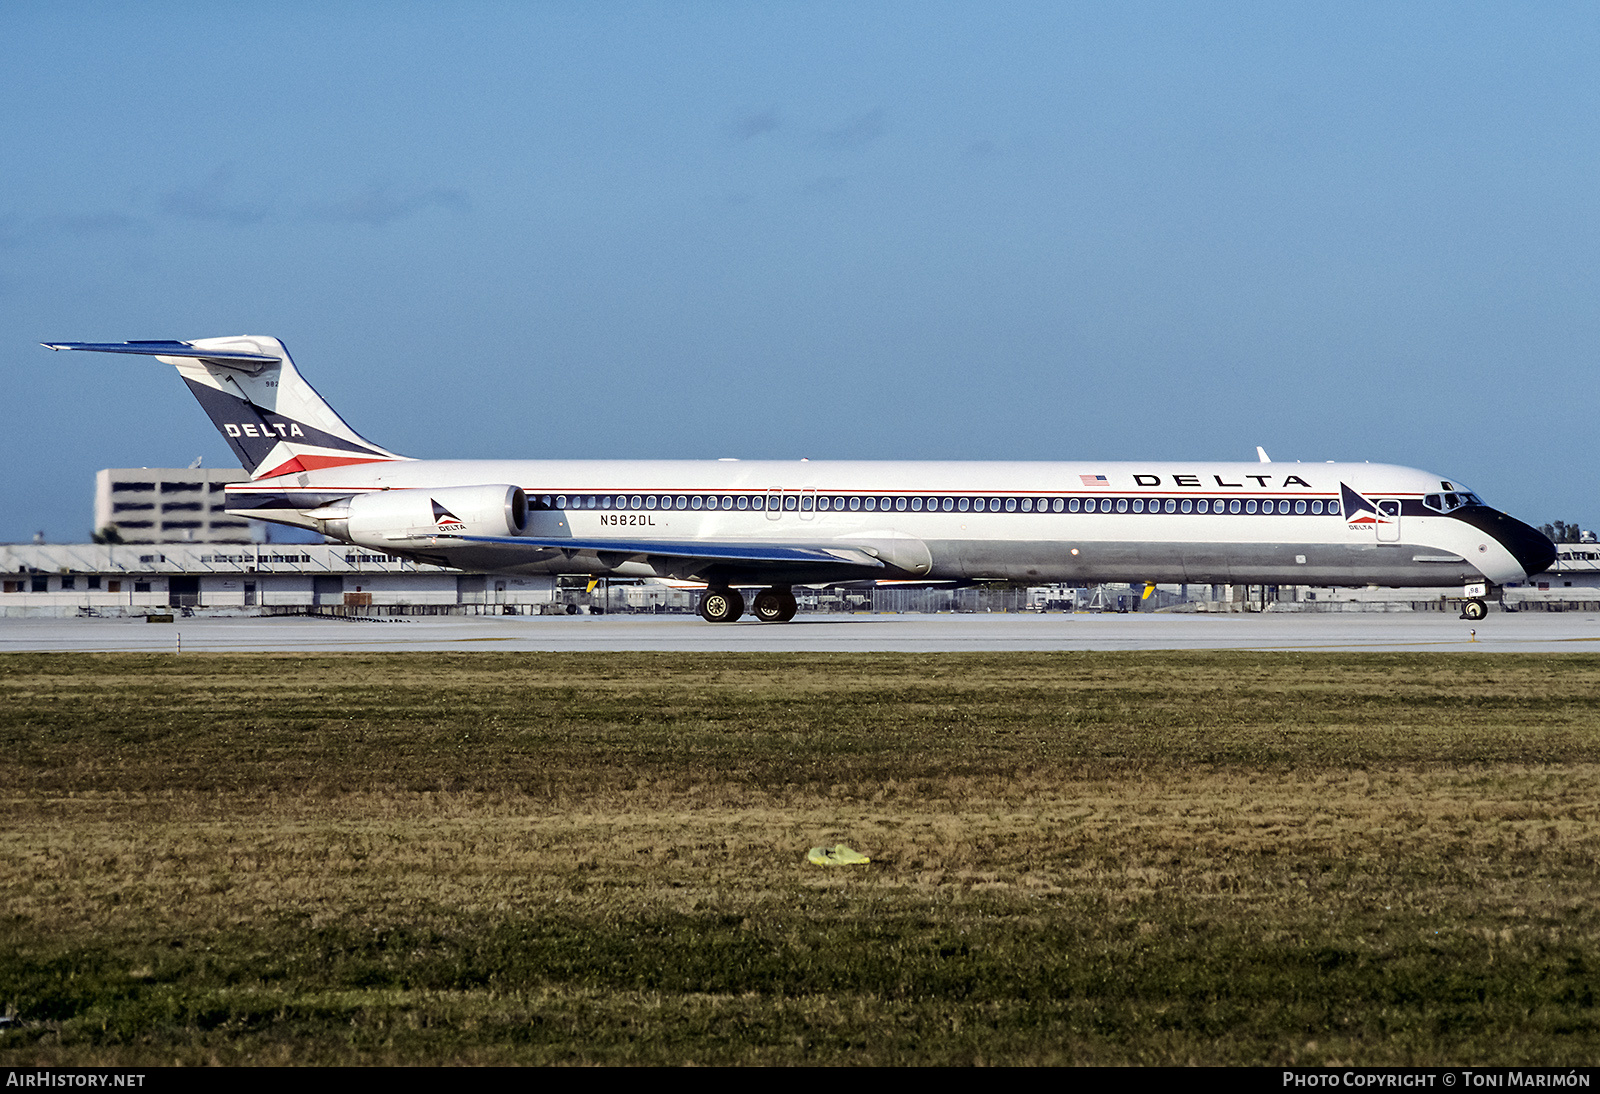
771	525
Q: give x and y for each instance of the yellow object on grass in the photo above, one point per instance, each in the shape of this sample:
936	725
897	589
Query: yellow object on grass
837	855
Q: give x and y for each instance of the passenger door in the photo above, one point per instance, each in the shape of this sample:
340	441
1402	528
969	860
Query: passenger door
1388	521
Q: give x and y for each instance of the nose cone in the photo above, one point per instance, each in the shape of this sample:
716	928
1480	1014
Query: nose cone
1533	552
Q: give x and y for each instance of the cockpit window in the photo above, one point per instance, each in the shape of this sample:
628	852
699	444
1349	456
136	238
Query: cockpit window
1447	503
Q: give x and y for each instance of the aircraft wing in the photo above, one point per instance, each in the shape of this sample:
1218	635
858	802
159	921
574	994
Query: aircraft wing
719	552
777	563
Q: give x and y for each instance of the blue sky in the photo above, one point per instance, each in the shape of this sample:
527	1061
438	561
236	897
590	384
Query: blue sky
887	231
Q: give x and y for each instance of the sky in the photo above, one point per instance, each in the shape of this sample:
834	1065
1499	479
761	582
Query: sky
1166	232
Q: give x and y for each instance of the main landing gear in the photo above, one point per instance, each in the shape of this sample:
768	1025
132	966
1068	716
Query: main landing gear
1474	610
774	605
721	605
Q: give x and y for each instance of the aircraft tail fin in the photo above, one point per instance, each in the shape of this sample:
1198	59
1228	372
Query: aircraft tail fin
274	421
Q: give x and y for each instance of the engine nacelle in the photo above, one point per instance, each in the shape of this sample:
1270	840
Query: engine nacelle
386	518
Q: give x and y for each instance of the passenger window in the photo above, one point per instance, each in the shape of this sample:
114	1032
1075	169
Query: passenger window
1072	506
1138	505
1122	505
1056	506
1250	506
916	505
949	504
855	504
1105	505
1202	506
1187	506
1333	507
899	505
1233	506
1316	508
1027	505
1171	506
964	504
1299	507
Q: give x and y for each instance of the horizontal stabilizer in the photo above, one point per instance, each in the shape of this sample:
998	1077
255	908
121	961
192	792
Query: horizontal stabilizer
164	349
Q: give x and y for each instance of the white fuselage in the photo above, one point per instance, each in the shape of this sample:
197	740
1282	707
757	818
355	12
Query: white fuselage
1161	521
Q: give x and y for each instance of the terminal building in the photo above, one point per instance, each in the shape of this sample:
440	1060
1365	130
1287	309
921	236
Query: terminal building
95	579
140	579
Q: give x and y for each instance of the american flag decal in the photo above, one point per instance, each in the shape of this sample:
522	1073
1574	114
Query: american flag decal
1094	480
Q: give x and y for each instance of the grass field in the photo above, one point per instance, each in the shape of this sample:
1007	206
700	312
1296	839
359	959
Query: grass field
1078	858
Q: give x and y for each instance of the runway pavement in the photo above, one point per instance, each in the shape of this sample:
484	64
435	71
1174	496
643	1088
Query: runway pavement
1523	632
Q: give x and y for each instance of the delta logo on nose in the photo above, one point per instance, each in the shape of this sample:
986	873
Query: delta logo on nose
1359	512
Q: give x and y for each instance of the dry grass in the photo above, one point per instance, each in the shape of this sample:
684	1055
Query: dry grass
1078	858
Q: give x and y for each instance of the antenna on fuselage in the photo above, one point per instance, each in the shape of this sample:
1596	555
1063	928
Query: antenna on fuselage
1261	454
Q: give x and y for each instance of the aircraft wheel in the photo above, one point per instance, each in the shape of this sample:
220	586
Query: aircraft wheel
775	606
721	606
1474	610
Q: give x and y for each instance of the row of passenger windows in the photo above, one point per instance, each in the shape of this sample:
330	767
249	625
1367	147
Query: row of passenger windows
808	501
